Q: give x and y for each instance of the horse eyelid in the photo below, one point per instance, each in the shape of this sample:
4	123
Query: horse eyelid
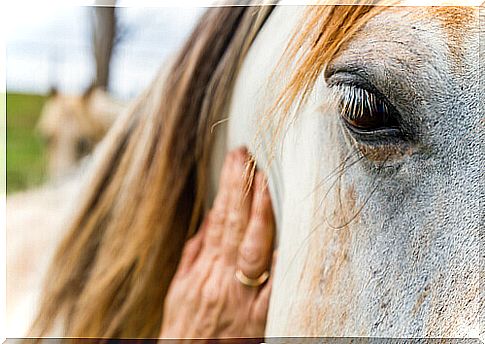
356	98
370	108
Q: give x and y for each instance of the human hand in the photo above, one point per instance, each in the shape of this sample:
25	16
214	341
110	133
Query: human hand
210	295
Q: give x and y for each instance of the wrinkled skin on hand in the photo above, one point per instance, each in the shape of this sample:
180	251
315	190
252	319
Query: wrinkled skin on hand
205	300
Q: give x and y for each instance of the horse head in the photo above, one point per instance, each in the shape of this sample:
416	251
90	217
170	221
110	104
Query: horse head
73	125
374	168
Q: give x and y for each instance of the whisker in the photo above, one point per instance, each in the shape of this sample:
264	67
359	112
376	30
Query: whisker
341	172
333	172
359	210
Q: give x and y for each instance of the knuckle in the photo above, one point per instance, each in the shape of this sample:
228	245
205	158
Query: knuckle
192	295
213	238
190	247
234	219
251	253
210	295
217	217
233	154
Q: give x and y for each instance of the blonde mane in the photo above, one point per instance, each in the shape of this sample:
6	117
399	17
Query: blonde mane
146	196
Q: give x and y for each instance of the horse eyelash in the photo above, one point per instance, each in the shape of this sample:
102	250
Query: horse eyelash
356	102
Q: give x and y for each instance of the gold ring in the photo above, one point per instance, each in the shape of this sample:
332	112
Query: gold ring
249	282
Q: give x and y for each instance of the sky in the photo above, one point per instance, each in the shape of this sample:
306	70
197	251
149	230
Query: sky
50	46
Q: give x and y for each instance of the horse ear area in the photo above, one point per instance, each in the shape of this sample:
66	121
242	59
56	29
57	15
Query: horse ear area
88	92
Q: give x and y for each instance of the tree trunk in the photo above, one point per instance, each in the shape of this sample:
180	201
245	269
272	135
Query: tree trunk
104	32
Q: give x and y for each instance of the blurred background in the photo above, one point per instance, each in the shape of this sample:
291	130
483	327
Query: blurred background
70	71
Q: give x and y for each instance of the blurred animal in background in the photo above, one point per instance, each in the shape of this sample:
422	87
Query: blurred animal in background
72	125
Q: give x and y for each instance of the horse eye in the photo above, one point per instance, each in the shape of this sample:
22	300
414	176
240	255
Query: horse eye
365	111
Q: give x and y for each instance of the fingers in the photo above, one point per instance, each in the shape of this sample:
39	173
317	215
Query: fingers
261	305
229	215
256	248
217	216
192	249
241	226
239	205
209	297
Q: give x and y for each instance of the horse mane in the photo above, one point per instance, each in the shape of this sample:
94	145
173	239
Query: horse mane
146	194
112	270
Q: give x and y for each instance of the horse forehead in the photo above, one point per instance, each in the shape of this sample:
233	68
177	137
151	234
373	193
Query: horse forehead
454	28
457	23
454	17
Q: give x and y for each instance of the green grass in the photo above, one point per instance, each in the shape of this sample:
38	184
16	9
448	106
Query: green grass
26	162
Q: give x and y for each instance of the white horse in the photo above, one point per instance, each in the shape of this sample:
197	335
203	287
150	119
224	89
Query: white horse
373	153
379	231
